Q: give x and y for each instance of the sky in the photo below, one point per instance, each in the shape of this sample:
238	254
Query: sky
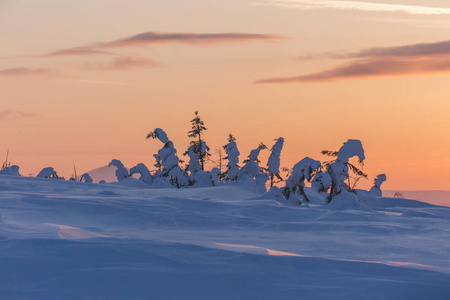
85	81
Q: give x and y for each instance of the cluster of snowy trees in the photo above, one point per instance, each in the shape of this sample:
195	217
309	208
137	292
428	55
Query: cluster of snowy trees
331	177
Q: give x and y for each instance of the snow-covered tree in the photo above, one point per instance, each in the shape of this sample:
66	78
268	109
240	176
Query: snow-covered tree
86	177
251	168
10	170
48	172
302	171
376	189
233	159
321	182
168	158
199	145
273	164
141	169
194	161
339	169
121	172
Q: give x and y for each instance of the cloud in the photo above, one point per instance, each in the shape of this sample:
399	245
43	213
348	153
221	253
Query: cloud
147	38
124	63
100	82
354	5
400	51
373	67
423	58
24	71
11	114
77	51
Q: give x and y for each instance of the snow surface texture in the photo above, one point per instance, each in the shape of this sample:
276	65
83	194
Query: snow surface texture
125	240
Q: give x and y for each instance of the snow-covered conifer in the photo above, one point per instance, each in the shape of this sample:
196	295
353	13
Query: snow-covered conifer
121	172
194	161
145	177
48	172
338	170
273	164
167	156
233	159
199	145
251	168
376	189
301	171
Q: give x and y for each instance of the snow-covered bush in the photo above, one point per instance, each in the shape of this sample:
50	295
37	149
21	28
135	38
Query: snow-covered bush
273	164
86	178
376	189
141	169
167	156
121	172
11	171
233	159
302	170
48	172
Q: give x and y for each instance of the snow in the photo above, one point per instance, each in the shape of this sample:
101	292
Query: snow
129	240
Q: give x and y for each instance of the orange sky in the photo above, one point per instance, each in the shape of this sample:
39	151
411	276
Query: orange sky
86	81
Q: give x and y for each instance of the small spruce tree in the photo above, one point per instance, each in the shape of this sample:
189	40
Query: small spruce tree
199	145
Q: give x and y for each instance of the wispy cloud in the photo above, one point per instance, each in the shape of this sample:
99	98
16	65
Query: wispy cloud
355	5
422	49
24	71
124	63
77	51
101	82
147	38
425	58
12	114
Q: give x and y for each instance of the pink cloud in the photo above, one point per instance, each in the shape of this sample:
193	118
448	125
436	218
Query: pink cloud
147	38
11	114
24	71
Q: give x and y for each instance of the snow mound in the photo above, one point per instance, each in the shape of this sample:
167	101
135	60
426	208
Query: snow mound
345	200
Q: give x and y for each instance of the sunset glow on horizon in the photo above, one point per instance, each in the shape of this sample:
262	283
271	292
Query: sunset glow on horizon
84	82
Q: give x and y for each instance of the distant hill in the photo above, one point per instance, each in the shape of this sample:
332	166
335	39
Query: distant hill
433	197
